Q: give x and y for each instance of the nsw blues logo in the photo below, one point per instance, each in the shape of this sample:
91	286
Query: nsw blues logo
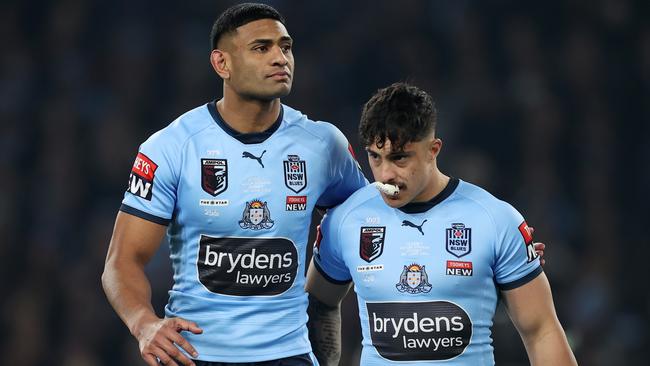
371	242
295	173
256	216
414	280
214	175
459	240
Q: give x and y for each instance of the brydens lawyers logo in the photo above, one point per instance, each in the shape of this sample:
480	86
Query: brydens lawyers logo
214	175
295	173
459	240
142	175
528	241
371	242
414	280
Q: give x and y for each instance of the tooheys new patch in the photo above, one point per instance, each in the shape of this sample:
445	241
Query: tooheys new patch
142	177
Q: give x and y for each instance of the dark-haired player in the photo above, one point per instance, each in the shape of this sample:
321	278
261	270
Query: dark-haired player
429	256
233	184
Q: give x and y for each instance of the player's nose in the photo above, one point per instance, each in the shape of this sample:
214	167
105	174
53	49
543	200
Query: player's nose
387	173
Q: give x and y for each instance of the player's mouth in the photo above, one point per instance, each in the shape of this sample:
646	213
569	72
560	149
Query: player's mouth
280	76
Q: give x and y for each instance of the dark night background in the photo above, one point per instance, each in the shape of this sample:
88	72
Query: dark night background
543	103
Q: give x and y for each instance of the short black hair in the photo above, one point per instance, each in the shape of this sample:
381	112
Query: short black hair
238	15
401	112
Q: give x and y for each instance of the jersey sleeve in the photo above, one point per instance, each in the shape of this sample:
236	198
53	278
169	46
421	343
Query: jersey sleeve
151	191
327	250
346	176
517	263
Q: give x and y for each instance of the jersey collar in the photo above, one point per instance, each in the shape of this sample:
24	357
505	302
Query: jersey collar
419	207
245	138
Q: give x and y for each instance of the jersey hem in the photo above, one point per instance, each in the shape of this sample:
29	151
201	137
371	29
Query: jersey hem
522	281
260	358
144	215
329	278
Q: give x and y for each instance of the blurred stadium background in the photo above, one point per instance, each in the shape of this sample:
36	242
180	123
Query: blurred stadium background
544	103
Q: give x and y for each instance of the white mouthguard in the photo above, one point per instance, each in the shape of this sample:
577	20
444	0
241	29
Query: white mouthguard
387	189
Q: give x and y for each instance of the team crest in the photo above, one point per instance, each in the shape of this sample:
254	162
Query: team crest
459	240
414	280
256	216
371	243
214	175
295	173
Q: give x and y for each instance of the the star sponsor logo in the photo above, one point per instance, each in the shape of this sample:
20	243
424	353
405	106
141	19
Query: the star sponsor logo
213	202
370	268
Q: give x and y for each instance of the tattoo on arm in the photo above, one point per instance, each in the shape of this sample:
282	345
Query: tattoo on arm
325	331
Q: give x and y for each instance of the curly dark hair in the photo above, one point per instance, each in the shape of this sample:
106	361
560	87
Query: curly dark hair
401	113
238	15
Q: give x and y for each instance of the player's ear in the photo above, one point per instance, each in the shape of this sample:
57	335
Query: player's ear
435	146
220	63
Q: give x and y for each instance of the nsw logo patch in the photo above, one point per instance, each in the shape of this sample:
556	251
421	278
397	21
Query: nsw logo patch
256	216
214	175
459	240
295	173
371	242
414	280
142	176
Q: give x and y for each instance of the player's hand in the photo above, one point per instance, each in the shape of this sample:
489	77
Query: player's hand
539	247
160	339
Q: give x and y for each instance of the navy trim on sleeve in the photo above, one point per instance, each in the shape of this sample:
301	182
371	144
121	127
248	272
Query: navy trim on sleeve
328	278
522	281
143	215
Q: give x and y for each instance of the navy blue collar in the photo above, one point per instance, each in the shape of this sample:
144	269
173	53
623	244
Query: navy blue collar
419	207
245	138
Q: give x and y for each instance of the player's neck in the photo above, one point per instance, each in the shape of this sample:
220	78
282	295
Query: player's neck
248	116
437	184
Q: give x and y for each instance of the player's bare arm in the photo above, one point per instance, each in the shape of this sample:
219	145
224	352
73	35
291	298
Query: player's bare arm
532	311
324	316
133	243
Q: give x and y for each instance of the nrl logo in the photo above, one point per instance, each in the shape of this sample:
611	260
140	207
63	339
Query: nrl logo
414	280
256	216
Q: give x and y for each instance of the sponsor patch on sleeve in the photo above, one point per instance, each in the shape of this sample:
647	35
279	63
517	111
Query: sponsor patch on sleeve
142	176
528	241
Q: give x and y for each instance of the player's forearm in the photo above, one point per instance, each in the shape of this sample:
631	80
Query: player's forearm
129	292
325	331
549	347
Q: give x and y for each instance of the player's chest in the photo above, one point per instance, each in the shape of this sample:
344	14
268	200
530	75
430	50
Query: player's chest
420	257
250	186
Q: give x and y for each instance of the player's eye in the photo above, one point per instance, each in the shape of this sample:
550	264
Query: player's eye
260	49
286	48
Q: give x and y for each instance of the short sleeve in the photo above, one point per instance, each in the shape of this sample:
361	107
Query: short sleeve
151	190
517	263
346	176
327	250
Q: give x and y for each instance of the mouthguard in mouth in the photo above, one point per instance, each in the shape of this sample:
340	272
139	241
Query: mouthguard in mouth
387	189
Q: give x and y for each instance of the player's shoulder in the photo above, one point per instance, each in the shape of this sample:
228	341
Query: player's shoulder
477	196
360	198
181	129
322	130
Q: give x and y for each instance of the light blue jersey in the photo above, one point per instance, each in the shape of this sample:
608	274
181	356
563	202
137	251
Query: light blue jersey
239	208
427	276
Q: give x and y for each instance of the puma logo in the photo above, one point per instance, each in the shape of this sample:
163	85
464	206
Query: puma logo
246	154
419	227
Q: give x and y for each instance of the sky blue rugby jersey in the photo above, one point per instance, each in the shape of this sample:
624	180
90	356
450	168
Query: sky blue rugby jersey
239	209
427	275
